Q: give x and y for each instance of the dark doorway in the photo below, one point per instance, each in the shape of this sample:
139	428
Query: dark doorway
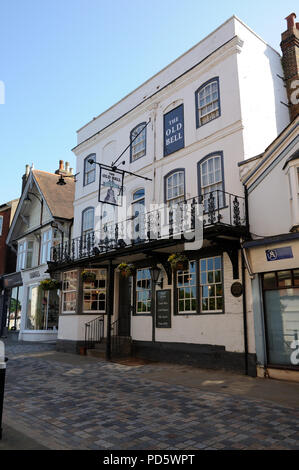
124	312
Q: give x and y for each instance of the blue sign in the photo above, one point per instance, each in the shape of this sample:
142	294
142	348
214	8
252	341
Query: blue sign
174	130
279	253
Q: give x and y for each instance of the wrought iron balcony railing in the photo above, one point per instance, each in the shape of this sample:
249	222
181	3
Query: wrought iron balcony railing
217	208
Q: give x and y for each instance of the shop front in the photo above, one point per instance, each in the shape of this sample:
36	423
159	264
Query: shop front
275	289
40	308
11	303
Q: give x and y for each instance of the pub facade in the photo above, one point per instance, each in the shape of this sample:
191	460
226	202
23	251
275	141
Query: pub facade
155	261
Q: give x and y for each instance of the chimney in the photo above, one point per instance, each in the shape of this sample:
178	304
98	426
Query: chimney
290	62
63	170
25	177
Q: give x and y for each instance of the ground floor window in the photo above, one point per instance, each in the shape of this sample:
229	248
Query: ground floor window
186	285
94	292
143	291
281	306
14	309
69	291
42	309
205	295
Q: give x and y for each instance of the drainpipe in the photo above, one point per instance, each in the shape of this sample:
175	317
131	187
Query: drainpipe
245	315
109	308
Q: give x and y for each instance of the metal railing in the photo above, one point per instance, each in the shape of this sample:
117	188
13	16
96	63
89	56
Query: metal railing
217	208
94	332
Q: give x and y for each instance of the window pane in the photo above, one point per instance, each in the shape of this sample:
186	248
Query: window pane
269	281
284	278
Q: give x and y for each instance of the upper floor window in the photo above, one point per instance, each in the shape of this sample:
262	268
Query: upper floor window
46	245
138	144
87	221
89	169
175	187
1	224
207	102
138	208
210	179
211	288
25	255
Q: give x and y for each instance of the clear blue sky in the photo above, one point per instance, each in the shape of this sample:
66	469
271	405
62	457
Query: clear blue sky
65	61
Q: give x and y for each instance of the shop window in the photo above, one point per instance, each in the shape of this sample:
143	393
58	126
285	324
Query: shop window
69	291
42	309
186	287
143	291
211	288
269	281
94	292
15	309
284	278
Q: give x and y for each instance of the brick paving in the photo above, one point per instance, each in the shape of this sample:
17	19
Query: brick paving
84	403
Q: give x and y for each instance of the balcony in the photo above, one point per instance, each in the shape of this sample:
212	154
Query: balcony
208	216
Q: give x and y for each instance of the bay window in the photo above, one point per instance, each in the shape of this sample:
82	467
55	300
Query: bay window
25	255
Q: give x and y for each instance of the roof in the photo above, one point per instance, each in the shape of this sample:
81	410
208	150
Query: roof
293	157
59	198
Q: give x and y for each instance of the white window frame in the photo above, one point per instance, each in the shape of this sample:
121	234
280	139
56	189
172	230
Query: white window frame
138	146
208	96
46	245
23	252
90	229
139	289
211	284
90	172
216	185
89	289
187	281
177	198
66	290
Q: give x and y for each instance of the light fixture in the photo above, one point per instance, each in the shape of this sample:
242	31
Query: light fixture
155	273
61	181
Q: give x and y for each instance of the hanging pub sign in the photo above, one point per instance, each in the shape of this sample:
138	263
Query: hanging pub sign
174	130
111	185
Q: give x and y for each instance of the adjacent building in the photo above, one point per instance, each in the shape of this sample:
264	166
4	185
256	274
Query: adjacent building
185	130
43	218
7	257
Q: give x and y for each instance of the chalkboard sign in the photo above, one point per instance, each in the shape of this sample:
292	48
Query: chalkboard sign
163	309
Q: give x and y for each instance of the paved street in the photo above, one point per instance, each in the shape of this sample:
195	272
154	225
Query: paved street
63	401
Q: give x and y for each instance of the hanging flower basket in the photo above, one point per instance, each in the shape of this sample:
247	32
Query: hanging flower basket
50	284
178	262
126	270
88	276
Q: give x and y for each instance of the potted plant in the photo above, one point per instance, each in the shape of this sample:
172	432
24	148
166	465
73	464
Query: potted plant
126	270
88	276
178	262
50	284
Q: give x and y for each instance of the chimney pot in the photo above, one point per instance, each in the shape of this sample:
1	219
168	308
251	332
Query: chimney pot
61	167
291	21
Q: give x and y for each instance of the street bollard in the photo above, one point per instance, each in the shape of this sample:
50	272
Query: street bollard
3	361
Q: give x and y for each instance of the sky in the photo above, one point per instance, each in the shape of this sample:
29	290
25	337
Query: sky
64	62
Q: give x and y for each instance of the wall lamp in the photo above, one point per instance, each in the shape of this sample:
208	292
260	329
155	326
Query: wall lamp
61	181
155	273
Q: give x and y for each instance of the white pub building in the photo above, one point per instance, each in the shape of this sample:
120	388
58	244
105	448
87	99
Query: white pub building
185	130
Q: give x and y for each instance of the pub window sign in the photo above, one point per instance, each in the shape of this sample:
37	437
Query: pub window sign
174	138
111	186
